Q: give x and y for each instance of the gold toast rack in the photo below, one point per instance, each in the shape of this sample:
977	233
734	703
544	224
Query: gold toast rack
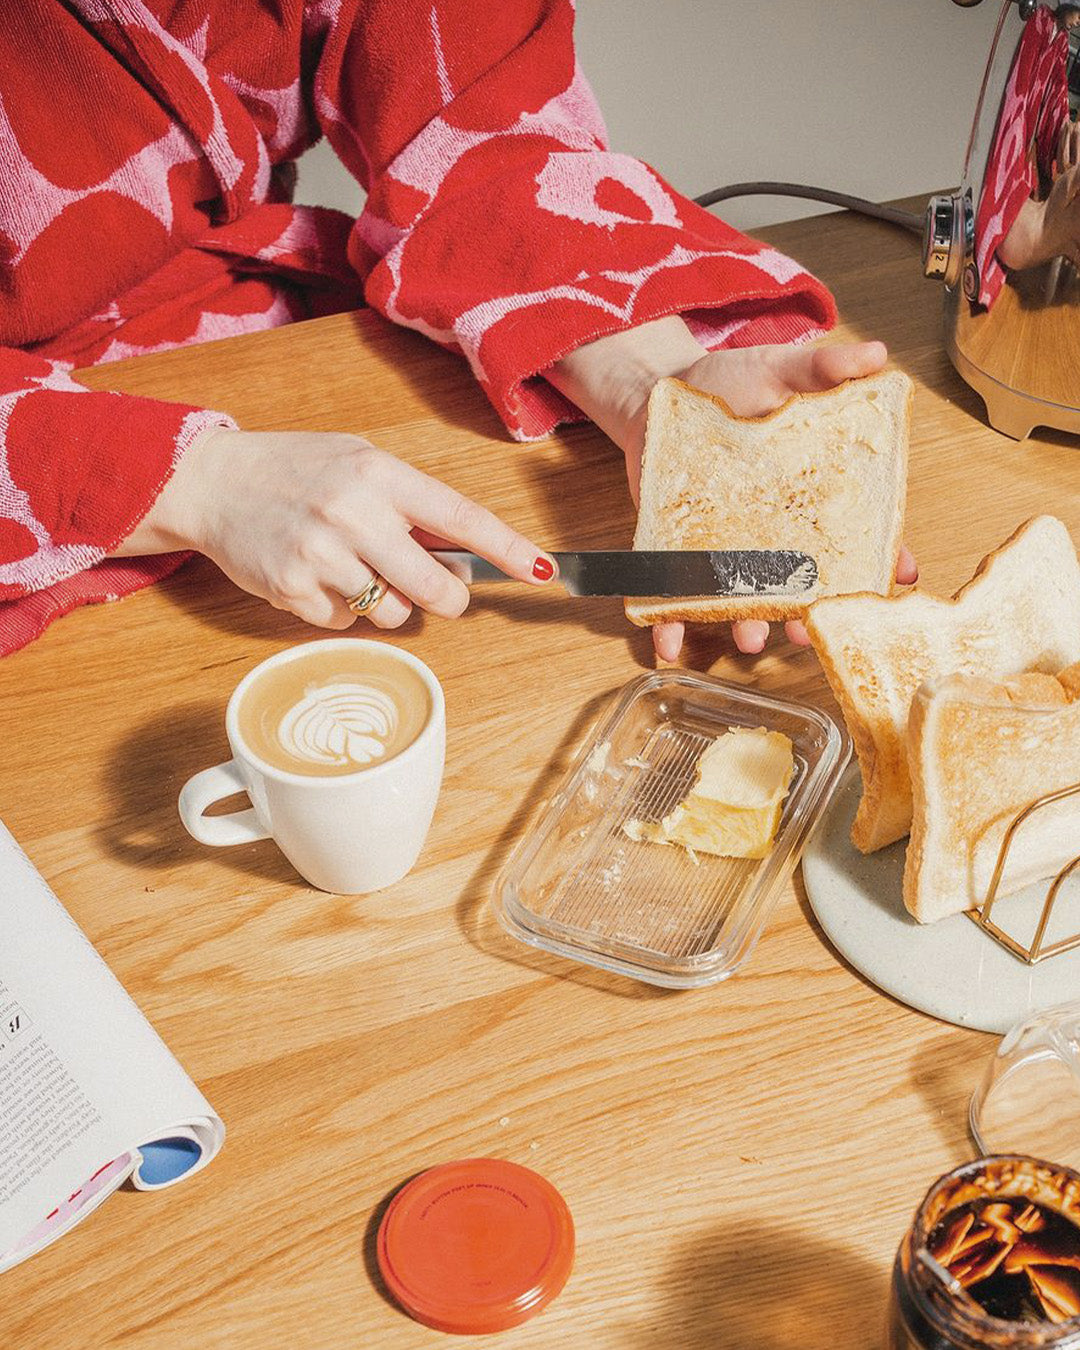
1035	951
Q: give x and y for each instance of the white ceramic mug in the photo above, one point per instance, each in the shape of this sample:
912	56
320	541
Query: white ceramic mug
350	833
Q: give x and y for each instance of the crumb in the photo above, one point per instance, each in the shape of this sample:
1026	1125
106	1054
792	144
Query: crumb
636	762
533	1144
504	1121
743	1157
692	855
611	874
597	761
149	889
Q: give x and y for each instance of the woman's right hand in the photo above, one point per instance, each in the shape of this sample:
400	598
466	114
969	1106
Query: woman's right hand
1047	229
1061	218
303	519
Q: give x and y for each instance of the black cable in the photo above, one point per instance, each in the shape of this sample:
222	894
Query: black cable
908	220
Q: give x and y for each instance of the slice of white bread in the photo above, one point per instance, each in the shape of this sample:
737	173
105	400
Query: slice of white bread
825	473
1020	612
981	752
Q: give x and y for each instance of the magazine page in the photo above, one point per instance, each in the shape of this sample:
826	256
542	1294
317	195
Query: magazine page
89	1093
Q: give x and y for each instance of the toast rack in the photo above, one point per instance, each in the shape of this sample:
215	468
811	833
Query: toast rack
1035	951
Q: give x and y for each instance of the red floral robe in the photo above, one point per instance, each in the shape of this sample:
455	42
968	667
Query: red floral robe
146	162
1034	108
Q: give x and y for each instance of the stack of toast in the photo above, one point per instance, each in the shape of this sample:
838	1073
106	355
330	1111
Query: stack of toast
963	711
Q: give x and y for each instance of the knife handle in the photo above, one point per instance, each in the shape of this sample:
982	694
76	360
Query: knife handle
469	567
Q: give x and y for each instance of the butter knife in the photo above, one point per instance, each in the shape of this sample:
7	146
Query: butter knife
667	572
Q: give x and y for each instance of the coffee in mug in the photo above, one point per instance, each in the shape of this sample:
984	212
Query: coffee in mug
334	711
339	744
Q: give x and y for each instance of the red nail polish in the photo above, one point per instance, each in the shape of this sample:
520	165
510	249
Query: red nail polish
543	570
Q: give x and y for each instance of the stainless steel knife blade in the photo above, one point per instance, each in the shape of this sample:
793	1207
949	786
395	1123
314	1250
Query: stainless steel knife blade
667	572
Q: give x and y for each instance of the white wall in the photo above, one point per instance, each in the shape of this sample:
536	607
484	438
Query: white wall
873	97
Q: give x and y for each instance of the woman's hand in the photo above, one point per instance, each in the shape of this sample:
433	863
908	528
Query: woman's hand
610	380
753	381
1060	234
304	519
1047	229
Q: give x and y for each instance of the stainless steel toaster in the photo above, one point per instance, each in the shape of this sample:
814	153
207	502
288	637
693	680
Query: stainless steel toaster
1007	243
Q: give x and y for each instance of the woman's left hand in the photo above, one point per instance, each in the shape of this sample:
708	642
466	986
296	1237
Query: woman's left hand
753	381
610	380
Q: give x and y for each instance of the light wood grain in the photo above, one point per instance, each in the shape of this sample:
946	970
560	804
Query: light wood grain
740	1161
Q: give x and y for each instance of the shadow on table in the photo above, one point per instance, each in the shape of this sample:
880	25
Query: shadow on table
207	594
755	1286
811	918
142	780
371	1243
475	917
782	666
945	1072
602	615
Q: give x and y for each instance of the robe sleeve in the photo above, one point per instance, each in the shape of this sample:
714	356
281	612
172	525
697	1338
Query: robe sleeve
499	222
78	468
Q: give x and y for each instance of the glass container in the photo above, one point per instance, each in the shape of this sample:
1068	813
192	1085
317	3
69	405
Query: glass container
933	1304
578	885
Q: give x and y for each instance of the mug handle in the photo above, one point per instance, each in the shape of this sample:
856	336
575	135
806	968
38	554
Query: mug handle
207	787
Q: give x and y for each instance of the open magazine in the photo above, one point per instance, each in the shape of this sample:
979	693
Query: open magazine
89	1094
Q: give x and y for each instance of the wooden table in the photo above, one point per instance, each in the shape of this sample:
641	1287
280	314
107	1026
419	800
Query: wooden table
741	1161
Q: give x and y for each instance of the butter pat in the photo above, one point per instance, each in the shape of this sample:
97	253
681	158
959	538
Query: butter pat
734	807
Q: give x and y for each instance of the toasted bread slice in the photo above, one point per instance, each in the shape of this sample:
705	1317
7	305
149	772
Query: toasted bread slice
825	474
980	752
1020	612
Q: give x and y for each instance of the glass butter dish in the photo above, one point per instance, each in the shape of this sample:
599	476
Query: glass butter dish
579	885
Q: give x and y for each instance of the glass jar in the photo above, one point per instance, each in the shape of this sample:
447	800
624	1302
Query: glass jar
929	1310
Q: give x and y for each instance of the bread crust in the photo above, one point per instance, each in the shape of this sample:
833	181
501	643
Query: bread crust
982	751
885	811
880	557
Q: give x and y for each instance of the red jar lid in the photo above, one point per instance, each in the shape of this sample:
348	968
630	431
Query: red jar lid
476	1246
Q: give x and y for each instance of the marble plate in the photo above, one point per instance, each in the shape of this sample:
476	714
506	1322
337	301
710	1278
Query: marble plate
950	969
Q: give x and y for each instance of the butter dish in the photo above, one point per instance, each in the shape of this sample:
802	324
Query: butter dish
578	885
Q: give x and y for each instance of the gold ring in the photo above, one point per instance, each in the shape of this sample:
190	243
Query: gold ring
363	602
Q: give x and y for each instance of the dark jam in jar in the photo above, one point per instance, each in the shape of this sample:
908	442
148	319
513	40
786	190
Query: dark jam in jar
991	1261
1018	1259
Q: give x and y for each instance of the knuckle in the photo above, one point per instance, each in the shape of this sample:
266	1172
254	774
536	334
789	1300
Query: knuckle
309	551
463	517
430	591
335	510
291	587
442	594
369	464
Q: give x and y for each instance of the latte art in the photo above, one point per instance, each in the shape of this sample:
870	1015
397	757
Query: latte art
340	724
336	710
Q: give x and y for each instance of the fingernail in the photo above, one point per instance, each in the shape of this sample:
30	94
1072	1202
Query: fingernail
543	569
